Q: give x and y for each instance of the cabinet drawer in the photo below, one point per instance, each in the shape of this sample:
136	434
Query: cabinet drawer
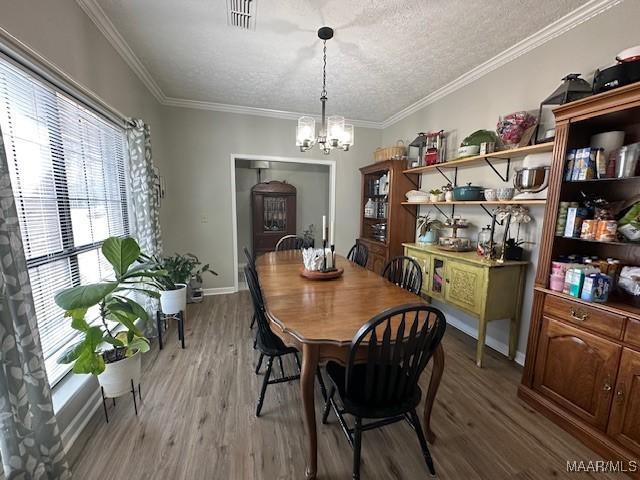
585	316
632	334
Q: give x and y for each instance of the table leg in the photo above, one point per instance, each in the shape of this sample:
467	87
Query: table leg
307	384
434	383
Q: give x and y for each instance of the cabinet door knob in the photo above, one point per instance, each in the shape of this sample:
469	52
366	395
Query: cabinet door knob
577	315
446	280
620	394
607	387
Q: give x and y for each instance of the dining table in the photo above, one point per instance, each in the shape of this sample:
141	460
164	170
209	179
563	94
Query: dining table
321	317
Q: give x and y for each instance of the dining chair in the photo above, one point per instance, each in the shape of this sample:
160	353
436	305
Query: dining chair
404	272
290	242
359	254
251	261
385	388
269	344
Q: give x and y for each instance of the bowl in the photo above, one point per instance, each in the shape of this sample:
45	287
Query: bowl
469	150
490	194
505	194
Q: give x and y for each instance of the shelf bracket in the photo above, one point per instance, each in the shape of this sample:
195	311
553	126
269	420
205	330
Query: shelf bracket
453	210
455	176
501	222
409	209
504	178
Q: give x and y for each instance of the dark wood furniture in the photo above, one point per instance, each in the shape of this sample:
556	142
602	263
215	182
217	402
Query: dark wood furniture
273	211
404	272
359	254
399	220
399	343
583	359
321	318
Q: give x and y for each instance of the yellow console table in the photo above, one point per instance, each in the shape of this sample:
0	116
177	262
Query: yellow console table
485	289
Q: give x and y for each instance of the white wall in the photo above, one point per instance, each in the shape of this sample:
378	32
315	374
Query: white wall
519	85
196	163
312	196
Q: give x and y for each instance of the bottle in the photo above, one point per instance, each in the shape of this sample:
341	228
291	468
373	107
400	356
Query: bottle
484	241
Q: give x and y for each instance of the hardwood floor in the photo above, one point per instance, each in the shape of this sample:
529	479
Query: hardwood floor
197	419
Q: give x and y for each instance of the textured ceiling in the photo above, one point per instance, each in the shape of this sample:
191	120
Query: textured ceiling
386	54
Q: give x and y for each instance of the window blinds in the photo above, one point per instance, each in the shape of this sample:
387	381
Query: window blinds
67	169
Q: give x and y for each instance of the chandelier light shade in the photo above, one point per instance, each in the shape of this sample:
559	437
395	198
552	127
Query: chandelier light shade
334	133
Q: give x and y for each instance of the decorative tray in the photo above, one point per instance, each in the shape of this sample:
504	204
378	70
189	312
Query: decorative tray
318	275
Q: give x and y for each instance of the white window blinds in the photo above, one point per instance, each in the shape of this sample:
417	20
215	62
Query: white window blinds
67	169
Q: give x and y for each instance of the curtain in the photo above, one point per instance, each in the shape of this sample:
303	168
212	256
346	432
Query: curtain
145	202
30	444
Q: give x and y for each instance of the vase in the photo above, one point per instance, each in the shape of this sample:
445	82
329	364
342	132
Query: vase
429	237
117	376
174	301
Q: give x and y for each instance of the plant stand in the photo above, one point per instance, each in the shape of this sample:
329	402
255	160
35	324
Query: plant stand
133	392
161	318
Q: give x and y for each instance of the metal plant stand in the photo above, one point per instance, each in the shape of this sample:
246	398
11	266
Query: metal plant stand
161	319
133	392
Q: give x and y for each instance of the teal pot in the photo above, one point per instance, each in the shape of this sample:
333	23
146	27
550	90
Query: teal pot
430	237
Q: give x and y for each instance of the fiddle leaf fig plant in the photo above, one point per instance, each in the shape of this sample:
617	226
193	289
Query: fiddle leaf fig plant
101	344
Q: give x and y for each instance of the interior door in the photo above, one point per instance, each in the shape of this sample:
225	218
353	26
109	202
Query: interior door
465	286
624	422
577	370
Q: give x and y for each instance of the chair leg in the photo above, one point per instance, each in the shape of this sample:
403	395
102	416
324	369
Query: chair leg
259	363
298	362
423	442
253	321
327	405
265	382
323	389
281	366
357	444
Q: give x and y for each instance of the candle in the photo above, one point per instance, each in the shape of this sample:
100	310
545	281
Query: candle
332	233
324	226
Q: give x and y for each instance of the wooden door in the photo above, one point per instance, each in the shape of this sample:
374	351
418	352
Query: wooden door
464	286
577	370
624	422
273	211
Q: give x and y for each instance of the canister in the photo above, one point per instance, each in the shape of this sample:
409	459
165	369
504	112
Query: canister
589	228
606	231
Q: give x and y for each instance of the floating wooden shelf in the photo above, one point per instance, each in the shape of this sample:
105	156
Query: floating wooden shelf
501	155
481	202
595	180
578	239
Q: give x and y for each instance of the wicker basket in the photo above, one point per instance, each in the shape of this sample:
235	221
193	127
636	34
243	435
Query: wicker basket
390	153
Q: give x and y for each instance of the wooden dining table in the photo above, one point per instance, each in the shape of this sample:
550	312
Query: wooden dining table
320	318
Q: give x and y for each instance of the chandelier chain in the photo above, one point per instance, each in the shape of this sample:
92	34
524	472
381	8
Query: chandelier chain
323	94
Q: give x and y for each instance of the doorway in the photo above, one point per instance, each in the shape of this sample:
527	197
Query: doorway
313	184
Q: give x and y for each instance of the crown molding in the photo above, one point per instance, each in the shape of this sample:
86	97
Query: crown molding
95	12
551	31
574	18
260	112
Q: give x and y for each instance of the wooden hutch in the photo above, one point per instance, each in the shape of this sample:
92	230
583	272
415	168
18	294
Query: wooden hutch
273	211
392	223
582	366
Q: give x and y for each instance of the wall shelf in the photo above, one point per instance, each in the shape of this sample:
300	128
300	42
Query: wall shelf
501	155
481	202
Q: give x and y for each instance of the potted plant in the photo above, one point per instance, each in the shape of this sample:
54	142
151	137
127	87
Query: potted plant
185	281
436	195
428	228
513	250
111	350
308	237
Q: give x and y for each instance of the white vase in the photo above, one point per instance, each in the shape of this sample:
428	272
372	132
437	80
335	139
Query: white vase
117	376
174	301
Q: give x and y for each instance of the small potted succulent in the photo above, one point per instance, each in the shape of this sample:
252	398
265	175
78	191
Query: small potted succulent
428	229
112	348
436	195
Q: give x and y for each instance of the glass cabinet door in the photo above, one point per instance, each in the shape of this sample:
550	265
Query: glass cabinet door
275	214
436	277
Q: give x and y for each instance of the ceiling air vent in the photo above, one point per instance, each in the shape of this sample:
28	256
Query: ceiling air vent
242	14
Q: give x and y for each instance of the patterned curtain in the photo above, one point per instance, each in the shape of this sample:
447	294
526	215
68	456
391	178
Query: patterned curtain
30	444
145	202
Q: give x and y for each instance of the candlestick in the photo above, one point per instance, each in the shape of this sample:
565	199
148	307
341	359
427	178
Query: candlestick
332	233
333	256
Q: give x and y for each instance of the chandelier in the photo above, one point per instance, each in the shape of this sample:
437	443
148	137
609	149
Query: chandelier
334	133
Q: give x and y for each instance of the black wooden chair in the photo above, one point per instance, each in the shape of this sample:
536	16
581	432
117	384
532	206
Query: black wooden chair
290	242
251	261
385	388
269	344
359	254
404	272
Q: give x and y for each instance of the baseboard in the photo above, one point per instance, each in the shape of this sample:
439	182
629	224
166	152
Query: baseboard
497	345
80	421
218	291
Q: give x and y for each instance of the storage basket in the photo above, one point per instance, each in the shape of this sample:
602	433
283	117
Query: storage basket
395	152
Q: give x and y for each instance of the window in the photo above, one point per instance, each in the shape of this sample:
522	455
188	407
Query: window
67	169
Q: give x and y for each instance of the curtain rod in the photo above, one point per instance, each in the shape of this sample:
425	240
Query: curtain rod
28	58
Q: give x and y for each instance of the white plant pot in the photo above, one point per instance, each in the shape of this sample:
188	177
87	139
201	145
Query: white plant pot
117	376
174	301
